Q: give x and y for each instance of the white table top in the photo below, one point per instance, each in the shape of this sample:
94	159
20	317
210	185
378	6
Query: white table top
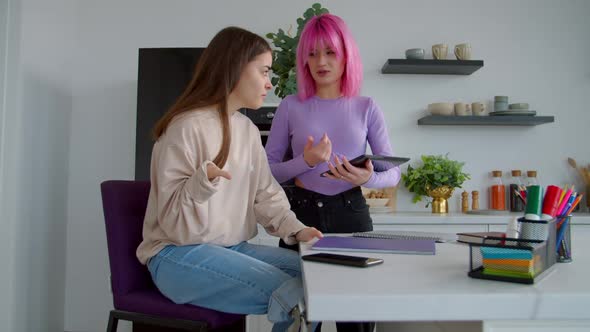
419	287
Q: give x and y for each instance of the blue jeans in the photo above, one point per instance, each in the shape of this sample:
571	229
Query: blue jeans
241	279
346	212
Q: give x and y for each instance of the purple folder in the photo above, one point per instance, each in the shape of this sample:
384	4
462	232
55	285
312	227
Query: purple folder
394	246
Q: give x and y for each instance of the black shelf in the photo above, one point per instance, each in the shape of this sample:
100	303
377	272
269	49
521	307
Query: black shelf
429	66
488	120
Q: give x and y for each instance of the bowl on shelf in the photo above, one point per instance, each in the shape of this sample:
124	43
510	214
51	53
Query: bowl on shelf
377	202
441	108
519	106
415	53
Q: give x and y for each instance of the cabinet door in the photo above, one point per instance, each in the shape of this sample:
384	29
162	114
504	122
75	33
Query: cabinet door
258	323
455	228
267	240
497	228
536	326
264	239
580	235
433	326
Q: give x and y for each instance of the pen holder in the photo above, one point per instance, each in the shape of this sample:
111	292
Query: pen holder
517	260
563	239
533	229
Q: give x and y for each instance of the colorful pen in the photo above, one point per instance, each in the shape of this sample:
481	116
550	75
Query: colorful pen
570	201
564	201
560	234
574	204
563	191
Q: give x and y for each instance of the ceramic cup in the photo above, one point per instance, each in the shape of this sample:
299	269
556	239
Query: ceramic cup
478	108
440	51
500	106
462	109
463	51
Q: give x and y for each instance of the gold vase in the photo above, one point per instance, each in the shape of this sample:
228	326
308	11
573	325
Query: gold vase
440	195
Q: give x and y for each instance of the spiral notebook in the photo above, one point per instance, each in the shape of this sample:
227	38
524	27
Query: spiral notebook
393	246
412	235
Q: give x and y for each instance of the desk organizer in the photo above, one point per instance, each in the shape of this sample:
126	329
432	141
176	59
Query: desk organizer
516	260
564	243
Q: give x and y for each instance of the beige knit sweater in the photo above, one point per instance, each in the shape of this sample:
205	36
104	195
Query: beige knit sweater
184	207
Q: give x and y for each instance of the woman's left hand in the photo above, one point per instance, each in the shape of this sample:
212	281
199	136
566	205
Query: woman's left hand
307	234
344	171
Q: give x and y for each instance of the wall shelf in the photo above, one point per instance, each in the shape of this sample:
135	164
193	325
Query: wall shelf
430	66
503	120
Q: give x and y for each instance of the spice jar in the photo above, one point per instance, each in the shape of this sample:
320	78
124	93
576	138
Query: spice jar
497	192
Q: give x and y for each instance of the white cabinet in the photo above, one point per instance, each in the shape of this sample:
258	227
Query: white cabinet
437	326
580	235
456	228
536	326
497	228
255	323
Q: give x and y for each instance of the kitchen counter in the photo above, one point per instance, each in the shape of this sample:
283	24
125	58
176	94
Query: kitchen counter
428	218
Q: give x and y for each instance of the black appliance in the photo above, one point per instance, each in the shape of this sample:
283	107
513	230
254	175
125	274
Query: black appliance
163	73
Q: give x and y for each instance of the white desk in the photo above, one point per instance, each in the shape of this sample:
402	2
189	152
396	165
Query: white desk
437	288
426	221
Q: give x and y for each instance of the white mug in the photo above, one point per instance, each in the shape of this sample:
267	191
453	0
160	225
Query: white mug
478	108
463	51
462	109
439	51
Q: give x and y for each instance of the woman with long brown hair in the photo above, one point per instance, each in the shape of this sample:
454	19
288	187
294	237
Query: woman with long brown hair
210	186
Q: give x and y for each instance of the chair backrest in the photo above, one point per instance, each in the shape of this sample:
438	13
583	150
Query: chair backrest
124	204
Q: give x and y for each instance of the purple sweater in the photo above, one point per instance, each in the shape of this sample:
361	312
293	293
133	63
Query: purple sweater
349	122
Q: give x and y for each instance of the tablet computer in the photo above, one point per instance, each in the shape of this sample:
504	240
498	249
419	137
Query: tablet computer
380	163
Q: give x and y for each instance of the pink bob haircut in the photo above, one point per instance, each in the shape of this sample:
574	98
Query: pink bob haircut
328	30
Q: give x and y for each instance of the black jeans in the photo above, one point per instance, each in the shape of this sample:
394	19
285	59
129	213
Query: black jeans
346	212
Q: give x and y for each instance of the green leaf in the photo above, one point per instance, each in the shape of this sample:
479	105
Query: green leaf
435	171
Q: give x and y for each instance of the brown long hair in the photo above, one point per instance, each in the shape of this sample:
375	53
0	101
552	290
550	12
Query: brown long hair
216	75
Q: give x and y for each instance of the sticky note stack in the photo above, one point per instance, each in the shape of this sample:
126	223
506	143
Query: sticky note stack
507	262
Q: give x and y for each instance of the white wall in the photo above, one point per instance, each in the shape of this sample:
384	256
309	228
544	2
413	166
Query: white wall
534	51
6	244
34	162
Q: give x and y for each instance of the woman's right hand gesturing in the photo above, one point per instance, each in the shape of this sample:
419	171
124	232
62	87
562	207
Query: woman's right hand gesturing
319	153
213	171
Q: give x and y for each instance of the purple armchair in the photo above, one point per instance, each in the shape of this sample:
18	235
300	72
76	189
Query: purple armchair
135	296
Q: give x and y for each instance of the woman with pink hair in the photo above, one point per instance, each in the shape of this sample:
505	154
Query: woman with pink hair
323	127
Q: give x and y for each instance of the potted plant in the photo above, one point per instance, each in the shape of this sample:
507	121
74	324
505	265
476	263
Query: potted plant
437	177
283	57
